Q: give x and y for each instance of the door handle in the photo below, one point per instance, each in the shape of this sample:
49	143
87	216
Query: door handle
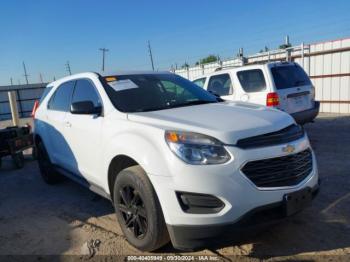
68	124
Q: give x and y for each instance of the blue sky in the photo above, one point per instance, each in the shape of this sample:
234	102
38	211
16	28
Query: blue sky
45	34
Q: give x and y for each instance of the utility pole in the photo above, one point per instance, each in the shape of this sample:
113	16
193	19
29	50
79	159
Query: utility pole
25	73
286	40
104	50
41	78
150	54
68	68
11	81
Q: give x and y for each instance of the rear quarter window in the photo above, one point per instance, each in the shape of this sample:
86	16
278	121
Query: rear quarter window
45	93
252	80
220	85
289	76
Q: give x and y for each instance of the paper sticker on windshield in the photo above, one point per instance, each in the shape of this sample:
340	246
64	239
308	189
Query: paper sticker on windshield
122	85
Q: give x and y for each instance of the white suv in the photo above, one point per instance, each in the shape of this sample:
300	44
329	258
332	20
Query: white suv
175	160
282	85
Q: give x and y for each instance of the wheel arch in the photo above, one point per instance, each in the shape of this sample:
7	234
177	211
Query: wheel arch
117	164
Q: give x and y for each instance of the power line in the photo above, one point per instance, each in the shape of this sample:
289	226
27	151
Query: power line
104	50
25	73
150	54
68	68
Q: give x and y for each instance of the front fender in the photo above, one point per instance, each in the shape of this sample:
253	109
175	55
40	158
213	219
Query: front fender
149	151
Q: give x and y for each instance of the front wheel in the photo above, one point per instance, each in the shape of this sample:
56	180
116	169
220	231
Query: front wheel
138	210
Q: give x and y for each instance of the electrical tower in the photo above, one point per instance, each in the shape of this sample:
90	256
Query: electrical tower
104	50
68	68
150	54
25	73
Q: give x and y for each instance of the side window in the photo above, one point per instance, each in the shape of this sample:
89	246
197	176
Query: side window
200	82
220	85
60	100
252	80
85	91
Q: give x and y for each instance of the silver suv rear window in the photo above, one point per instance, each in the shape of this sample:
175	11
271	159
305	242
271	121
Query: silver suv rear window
252	80
289	76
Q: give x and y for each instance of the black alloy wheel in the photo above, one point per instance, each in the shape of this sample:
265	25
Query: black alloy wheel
133	211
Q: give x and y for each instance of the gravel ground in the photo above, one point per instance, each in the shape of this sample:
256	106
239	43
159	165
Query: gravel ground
37	219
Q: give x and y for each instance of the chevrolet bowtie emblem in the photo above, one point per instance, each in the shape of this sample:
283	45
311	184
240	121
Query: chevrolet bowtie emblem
288	149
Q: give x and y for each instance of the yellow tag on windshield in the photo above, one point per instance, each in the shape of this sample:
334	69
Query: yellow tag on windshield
111	78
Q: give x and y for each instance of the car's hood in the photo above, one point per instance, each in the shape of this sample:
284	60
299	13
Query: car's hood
227	121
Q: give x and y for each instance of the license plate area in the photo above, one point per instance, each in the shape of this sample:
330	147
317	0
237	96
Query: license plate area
298	102
296	201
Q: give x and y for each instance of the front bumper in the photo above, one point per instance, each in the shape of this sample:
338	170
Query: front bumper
227	183
306	116
186	237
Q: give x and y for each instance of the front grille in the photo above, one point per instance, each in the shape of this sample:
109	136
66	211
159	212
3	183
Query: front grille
280	171
285	135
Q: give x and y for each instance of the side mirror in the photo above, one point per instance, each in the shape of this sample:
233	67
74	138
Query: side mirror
85	108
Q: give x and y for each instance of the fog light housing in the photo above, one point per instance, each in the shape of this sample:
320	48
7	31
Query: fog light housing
194	203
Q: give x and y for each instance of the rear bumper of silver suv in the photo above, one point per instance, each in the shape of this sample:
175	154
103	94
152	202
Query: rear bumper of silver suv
306	116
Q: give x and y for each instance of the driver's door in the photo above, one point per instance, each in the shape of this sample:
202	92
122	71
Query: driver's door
83	131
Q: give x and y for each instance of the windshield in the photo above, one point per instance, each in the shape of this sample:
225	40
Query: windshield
289	76
150	92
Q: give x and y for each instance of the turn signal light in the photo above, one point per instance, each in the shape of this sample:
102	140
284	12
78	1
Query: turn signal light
272	99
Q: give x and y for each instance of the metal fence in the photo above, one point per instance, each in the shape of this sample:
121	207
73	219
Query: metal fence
26	95
327	63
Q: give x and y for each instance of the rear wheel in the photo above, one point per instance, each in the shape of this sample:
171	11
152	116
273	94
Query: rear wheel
47	170
138	210
18	160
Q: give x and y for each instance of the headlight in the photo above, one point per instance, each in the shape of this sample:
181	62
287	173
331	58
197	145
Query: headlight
196	149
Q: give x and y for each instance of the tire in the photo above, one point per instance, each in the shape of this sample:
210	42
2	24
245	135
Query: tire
18	160
47	170
35	153
138	210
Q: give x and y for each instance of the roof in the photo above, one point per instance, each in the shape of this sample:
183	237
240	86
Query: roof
116	73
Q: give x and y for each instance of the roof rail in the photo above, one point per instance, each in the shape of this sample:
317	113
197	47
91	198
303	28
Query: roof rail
227	67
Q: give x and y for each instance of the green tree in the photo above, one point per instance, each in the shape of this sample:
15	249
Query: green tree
185	65
208	59
284	46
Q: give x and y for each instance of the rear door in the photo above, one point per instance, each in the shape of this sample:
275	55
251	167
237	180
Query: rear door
57	146
253	84
293	86
221	85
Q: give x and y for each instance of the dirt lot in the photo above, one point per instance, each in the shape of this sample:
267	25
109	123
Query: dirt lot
38	219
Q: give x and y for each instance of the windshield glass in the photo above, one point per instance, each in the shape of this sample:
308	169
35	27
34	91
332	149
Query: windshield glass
289	76
149	92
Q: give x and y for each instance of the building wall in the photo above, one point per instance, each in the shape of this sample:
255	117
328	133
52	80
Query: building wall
26	96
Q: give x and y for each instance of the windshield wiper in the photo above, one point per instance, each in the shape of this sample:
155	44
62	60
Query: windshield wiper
190	103
195	102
